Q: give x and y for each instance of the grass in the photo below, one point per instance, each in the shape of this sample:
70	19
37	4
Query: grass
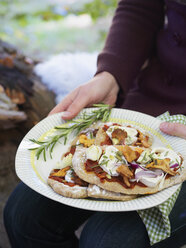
39	32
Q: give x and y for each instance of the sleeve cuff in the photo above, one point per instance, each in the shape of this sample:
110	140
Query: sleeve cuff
113	65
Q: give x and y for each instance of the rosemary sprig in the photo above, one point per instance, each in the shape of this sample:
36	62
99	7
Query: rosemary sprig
100	114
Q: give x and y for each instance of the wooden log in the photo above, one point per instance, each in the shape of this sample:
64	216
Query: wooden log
23	97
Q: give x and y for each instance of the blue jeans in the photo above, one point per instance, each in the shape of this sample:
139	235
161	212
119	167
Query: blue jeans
32	220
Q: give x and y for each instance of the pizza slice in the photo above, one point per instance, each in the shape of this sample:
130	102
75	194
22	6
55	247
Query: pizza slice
65	181
116	134
129	169
113	134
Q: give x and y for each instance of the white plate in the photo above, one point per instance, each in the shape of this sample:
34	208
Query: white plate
34	173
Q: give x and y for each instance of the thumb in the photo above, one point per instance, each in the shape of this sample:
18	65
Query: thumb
174	129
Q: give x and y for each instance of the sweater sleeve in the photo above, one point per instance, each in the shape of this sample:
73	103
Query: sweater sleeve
131	39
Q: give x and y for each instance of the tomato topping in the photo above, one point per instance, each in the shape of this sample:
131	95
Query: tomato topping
92	166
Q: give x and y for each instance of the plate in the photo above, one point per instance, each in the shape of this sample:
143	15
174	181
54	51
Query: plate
34	172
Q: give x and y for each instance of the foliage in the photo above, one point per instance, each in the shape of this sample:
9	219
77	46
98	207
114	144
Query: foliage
99	8
21	9
34	25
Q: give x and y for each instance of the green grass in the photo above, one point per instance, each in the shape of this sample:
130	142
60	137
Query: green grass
36	29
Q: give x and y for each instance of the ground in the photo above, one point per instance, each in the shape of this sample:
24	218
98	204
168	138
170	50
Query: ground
8	180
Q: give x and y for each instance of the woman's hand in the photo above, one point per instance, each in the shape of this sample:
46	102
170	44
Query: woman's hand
102	88
174	129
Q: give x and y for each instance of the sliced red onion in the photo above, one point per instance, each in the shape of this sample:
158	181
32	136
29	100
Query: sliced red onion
174	165
136	166
147	173
158	172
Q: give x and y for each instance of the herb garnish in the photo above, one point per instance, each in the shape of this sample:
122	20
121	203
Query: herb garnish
166	153
104	162
91	135
151	155
144	157
177	161
119	155
94	166
100	114
108	176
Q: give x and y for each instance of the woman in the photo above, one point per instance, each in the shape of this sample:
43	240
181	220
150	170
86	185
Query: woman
142	67
143	58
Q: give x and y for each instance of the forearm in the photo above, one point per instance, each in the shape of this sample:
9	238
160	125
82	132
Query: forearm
131	39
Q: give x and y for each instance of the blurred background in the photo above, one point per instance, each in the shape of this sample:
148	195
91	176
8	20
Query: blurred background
47	27
47	48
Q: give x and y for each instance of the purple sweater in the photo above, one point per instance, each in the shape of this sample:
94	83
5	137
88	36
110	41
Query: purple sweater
138	35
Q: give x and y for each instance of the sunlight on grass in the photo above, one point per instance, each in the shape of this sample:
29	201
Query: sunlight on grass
46	27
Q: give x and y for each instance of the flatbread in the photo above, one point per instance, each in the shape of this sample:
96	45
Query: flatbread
101	135
67	191
79	160
96	192
84	192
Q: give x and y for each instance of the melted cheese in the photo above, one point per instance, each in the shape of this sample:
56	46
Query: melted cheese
66	161
144	157
162	153
109	162
68	176
93	153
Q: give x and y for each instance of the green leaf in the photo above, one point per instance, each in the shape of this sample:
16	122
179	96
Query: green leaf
32	149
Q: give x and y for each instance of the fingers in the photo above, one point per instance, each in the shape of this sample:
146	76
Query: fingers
73	103
102	88
64	104
174	129
81	100
58	108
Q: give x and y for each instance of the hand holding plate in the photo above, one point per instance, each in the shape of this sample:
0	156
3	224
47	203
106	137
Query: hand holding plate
102	88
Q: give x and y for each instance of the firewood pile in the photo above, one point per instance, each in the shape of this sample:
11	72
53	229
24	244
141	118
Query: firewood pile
24	101
23	98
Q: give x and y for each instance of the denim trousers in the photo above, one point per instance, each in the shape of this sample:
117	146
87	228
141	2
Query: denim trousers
32	220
